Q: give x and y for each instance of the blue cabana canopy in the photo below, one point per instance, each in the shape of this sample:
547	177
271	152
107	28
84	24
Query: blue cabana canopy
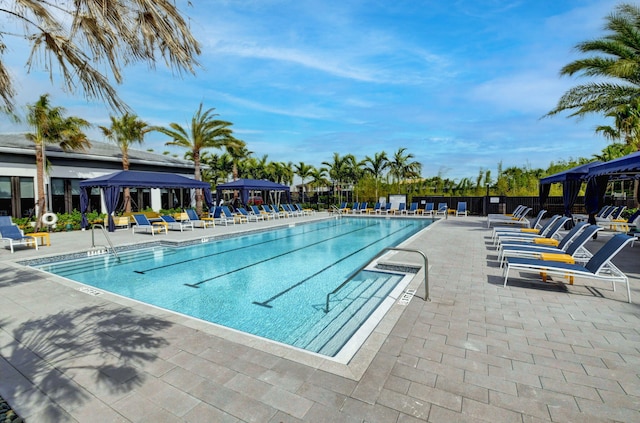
112	184
628	166
246	185
571	180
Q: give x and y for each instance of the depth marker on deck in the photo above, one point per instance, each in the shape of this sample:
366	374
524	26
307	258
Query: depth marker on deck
407	296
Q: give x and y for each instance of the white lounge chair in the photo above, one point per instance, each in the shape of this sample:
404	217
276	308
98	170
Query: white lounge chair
599	267
13	235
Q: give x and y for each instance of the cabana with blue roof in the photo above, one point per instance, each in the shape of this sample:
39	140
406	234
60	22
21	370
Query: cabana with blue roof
244	186
112	184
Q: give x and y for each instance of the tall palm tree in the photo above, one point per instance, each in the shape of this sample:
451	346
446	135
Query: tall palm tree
205	132
237	149
52	127
626	124
614	60
402	167
338	170
303	170
376	165
125	131
318	177
84	38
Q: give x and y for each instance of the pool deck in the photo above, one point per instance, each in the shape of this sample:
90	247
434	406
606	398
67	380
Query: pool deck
530	352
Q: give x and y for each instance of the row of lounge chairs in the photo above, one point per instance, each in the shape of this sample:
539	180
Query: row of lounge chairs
428	210
542	250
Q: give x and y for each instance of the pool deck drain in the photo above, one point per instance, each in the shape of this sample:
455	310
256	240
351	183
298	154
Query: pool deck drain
476	352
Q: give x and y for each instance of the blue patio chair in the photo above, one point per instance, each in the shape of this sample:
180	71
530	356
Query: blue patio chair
599	267
251	217
258	212
13	235
428	210
413	209
174	225
443	209
199	221
571	244
546	235
143	224
461	210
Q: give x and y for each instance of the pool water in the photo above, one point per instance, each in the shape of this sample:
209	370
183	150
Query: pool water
271	284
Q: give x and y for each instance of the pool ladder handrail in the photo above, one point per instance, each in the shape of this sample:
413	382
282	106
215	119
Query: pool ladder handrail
93	242
336	210
382	252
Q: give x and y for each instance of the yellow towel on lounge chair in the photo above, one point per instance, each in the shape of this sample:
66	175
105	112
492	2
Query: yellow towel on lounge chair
546	241
564	258
530	230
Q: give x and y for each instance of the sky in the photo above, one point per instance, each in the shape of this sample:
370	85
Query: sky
463	85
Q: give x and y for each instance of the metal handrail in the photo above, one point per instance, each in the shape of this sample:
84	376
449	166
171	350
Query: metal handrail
383	251
336	210
93	242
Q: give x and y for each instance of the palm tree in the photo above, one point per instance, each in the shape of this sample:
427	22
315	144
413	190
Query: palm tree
318	177
237	149
401	166
303	170
614	58
52	127
626	124
124	131
205	132
376	166
338	170
85	37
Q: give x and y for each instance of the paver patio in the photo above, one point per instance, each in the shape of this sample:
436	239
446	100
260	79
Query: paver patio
530	352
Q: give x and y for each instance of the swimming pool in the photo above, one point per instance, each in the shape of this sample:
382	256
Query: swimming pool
271	284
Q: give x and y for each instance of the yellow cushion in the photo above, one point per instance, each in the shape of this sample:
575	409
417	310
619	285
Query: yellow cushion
564	258
531	231
546	241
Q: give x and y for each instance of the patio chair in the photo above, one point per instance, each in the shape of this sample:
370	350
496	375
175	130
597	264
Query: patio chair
546	236
198	221
599	267
461	210
535	226
362	209
13	235
277	210
413	209
222	218
355	208
428	210
376	209
174	225
572	244
402	207
626	225
443	209
303	211
251	217
272	213
519	218
515	213
143	224
258	212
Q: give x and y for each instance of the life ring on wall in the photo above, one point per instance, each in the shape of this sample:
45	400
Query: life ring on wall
49	219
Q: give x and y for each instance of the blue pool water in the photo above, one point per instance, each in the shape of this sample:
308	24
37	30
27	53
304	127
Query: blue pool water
271	284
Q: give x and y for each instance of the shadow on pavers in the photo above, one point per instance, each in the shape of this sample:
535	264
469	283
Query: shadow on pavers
105	346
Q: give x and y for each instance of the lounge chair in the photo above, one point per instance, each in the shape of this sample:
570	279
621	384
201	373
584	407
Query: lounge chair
6	221
276	209
546	236
402	208
376	209
572	244
443	209
143	224
413	209
599	267
343	207
536	225
515	213
220	217
519	218
461	210
198	221
13	235
272	213
428	210
626	225
258	212
289	210
303	211
355	208
251	217
606	215
174	225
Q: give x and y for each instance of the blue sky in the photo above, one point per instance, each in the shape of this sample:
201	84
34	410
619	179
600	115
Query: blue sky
461	84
